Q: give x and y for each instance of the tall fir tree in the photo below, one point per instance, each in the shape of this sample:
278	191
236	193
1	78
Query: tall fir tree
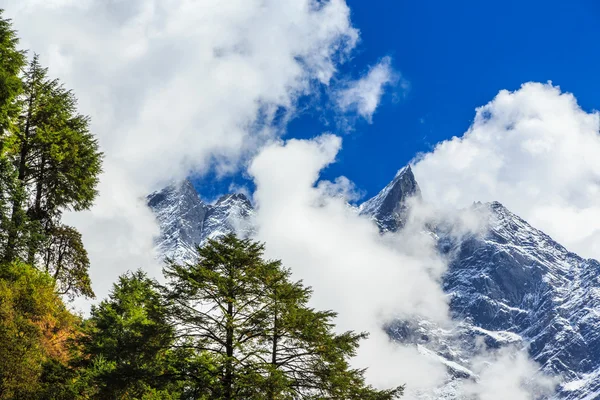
127	344
263	338
216	307
12	60
57	164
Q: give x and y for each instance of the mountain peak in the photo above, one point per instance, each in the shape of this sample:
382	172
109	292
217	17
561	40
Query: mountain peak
234	197
388	207
180	213
404	170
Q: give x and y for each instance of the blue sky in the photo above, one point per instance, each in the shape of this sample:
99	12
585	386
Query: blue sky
456	56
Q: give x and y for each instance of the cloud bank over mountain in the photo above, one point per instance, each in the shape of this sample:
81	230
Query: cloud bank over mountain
177	87
534	150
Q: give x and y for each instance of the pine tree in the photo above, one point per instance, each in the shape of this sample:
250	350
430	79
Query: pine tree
127	344
11	62
263	339
57	164
65	259
56	156
216	305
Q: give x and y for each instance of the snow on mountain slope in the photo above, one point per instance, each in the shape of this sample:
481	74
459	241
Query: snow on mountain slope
515	278
229	214
389	207
186	221
180	213
510	285
513	284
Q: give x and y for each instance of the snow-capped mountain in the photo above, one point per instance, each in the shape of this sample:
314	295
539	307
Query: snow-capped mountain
186	221
389	207
511	284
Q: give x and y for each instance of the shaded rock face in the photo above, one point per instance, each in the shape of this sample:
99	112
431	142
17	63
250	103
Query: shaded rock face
515	284
389	207
180	213
511	284
186	221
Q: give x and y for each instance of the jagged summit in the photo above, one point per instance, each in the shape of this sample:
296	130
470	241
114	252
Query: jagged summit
511	284
388	208
234	197
186	221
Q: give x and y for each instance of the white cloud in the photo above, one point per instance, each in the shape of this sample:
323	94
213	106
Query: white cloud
176	86
534	150
368	279
508	374
363	95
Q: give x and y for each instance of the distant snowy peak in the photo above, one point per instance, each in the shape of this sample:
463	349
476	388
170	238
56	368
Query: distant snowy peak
186	221
388	208
231	213
180	214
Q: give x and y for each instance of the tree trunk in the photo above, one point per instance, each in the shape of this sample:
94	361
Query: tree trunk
37	209
228	379
271	389
16	217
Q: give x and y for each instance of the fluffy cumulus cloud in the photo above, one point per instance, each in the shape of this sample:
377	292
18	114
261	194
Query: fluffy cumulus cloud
370	279
534	150
177	86
367	278
362	96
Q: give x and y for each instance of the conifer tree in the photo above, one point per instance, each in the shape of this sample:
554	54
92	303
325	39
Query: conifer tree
56	157
127	344
216	304
264	340
57	165
11	62
65	259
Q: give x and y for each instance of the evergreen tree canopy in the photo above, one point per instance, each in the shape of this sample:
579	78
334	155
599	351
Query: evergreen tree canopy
66	260
56	164
264	340
11	62
128	342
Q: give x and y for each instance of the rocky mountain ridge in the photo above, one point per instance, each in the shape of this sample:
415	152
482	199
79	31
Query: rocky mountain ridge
513	284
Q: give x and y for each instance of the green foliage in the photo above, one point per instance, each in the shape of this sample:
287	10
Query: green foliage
11	62
57	164
66	260
265	342
34	328
128	341
216	303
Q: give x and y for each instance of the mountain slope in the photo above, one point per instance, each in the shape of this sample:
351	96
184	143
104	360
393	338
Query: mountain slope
180	213
511	284
515	278
186	221
389	207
